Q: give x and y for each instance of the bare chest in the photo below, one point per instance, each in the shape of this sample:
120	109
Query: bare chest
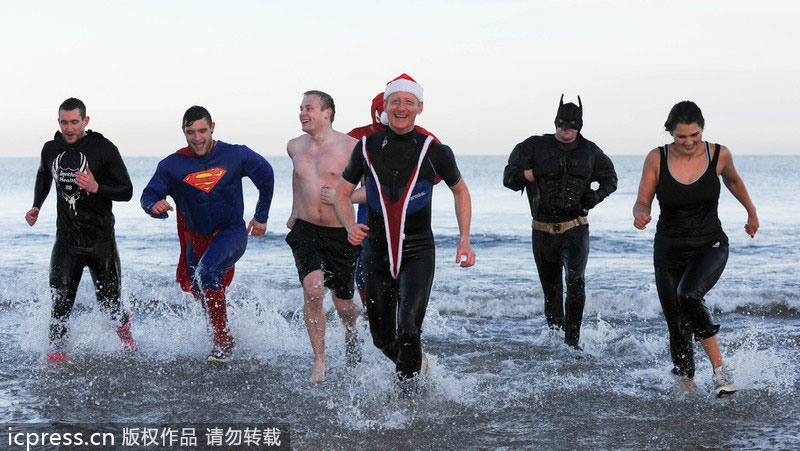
317	166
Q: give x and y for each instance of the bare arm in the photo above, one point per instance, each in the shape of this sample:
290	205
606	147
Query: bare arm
293	215
343	207
647	190
735	185
359	196
463	206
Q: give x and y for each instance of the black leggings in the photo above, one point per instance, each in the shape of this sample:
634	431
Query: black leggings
66	268
684	274
396	307
569	250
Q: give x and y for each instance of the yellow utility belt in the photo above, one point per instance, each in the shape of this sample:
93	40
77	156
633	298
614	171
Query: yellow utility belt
555	228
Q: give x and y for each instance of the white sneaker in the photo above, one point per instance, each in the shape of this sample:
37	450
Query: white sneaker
723	381
218	356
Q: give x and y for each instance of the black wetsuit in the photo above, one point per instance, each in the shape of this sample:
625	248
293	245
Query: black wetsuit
396	306
561	191
690	253
84	224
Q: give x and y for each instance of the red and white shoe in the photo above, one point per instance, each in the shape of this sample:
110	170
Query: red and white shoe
124	333
57	357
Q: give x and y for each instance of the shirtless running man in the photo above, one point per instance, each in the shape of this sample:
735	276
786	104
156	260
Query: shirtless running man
323	256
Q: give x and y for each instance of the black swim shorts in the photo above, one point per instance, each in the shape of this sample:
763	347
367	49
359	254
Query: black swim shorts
316	247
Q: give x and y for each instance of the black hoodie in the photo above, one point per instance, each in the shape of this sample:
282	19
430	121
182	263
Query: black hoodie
83	218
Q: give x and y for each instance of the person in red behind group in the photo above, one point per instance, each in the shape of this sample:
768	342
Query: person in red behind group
89	174
379	123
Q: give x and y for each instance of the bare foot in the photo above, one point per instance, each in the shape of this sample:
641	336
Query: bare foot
318	373
686	386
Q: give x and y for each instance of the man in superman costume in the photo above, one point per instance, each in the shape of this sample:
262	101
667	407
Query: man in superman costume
205	181
400	165
379	122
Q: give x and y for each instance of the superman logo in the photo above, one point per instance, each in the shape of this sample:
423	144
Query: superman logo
205	180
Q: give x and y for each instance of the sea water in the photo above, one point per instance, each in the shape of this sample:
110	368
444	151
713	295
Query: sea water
498	378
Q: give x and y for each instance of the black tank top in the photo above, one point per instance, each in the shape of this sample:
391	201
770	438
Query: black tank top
689	209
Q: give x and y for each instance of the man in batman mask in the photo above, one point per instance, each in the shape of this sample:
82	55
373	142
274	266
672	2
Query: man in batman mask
557	170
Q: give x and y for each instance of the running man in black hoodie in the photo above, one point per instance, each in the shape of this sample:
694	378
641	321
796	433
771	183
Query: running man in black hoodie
89	174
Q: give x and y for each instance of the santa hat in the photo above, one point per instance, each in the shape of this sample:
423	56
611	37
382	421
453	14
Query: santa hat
403	83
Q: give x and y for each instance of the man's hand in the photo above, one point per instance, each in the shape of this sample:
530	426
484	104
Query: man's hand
528	173
465	255
31	216
326	194
256	228
589	199
356	233
161	206
86	180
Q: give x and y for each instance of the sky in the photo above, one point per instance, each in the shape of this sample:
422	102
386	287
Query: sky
493	71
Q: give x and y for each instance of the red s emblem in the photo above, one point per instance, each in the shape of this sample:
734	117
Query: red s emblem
205	180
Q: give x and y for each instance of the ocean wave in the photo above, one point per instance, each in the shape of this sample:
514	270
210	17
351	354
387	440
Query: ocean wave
517	298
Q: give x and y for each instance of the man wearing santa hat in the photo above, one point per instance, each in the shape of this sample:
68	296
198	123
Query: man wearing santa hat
376	112
400	165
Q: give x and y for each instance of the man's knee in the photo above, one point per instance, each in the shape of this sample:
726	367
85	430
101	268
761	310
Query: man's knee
314	286
551	286
575	279
408	336
344	306
313	295
208	278
576	284
382	340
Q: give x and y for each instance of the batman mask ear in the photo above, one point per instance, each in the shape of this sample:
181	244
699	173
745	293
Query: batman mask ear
569	115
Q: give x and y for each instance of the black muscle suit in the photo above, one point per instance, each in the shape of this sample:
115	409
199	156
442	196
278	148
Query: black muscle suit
561	191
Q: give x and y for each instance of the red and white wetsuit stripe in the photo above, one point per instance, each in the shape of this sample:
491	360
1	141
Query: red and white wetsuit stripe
394	213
